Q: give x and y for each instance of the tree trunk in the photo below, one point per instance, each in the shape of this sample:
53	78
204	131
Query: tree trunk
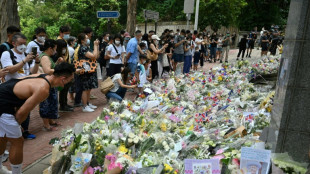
9	16
131	16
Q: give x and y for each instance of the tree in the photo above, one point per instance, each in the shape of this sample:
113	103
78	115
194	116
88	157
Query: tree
131	16
9	16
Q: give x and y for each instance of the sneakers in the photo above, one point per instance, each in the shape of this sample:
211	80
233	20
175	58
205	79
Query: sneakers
28	136
5	170
88	109
65	109
92	106
5	156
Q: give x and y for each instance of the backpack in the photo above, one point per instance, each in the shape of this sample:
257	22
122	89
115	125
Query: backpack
14	57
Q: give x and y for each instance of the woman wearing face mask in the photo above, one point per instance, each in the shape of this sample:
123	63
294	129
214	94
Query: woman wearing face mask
115	53
49	107
88	80
153	47
38	41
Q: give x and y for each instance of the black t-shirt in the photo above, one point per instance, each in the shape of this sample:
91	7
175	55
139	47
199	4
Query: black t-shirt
214	38
4	48
243	42
264	44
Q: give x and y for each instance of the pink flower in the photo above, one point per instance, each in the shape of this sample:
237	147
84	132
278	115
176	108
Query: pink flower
89	170
106	118
236	161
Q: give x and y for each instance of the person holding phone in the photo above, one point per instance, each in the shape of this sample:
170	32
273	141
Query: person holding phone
115	53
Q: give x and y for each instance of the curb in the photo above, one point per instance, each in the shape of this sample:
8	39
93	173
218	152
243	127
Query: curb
37	161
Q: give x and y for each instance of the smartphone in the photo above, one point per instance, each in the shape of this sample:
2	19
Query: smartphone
34	51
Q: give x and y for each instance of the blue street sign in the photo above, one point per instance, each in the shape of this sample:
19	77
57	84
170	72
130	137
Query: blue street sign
108	14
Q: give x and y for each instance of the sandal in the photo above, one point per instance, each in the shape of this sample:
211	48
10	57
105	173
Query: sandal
56	124
49	129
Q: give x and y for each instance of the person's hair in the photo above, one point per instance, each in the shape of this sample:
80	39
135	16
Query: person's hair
88	30
197	48
81	37
60	45
183	31
178	30
166	30
145	37
148	61
142	56
188	31
18	35
119	37
40	30
195	32
12	29
71	40
188	37
125	73
151	31
245	36
171	31
138	32
142	44
49	43
104	34
123	32
64	69
111	37
63	29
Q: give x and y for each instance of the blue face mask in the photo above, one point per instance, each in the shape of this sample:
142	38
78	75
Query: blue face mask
88	42
66	36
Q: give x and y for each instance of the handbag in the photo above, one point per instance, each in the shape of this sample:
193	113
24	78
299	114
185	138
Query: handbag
106	85
151	55
165	60
87	66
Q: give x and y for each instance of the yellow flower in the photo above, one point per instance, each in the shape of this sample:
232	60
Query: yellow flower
122	115
191	128
209	94
220	78
163	127
268	109
122	149
111	113
168	168
192	79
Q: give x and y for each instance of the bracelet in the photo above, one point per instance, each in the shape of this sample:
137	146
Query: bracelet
23	62
37	62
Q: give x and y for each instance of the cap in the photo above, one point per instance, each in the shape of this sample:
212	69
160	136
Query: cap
126	34
155	37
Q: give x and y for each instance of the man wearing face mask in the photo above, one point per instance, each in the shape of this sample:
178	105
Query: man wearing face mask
226	47
19	65
133	52
115	53
11	30
38	41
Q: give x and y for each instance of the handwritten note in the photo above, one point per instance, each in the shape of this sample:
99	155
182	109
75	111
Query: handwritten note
255	160
202	166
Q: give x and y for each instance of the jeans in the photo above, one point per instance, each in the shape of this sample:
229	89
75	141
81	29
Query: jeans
63	95
187	64
132	67
119	94
213	52
78	89
25	124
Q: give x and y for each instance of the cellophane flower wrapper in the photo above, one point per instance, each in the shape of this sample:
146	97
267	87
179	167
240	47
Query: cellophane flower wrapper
181	117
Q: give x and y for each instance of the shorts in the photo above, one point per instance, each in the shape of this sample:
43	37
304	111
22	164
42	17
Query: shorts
179	57
250	45
132	67
220	49
9	127
264	48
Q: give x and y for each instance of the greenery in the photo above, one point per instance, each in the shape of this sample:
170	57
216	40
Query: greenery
51	14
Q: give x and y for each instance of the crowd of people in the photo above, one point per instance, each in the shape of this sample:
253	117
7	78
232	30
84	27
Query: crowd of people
69	66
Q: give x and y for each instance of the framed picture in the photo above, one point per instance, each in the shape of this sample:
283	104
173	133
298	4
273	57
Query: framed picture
205	166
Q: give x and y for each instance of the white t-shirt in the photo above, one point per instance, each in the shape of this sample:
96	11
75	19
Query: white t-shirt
196	41
33	44
7	61
115	81
71	51
113	53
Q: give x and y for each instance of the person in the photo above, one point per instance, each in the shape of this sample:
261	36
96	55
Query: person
197	56
62	50
151	33
120	88
250	44
153	47
3	73
179	49
148	70
145	40
140	73
107	59
115	53
71	43
132	52
102	47
264	44
38	41
143	47
195	35
10	31
226	47
242	46
88	80
274	43
233	39
206	45
188	55
167	55
126	39
18	97
213	47
49	107
219	47
199	43
19	65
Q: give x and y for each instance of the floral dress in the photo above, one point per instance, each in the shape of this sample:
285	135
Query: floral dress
88	80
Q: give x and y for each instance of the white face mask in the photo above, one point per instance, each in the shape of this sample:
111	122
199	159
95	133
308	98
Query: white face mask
41	39
107	38
66	36
156	42
64	51
21	48
117	42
